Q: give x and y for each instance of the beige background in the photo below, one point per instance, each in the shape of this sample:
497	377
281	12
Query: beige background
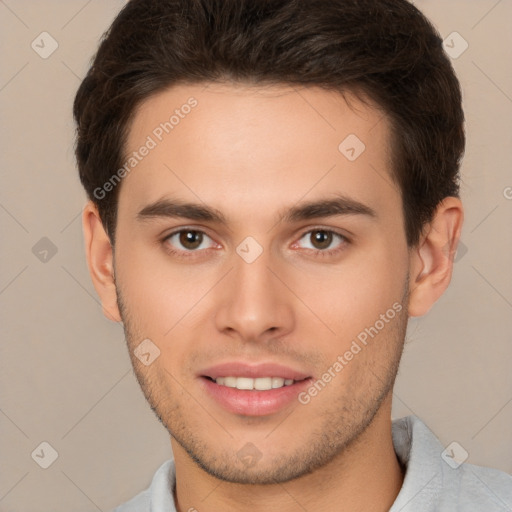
65	375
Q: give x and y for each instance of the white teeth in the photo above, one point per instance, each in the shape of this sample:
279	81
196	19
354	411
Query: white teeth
244	383
230	382
260	383
263	383
277	382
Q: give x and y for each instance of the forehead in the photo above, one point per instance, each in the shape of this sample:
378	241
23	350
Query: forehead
233	145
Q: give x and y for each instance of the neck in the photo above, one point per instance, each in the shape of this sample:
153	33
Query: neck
366	476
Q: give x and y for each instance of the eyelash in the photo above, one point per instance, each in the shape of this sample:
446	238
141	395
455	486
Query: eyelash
318	253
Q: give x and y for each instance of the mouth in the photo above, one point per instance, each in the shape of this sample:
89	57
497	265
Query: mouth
254	384
253	389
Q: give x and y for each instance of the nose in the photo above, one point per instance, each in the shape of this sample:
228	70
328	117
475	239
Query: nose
255	304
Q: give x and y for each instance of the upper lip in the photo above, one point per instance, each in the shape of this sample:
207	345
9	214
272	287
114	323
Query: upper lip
244	369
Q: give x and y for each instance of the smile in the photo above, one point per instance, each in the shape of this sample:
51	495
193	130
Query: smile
258	384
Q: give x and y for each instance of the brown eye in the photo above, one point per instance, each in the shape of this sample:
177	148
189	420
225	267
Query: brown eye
190	239
324	242
321	239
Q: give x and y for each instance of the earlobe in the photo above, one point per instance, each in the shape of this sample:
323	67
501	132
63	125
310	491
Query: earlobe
100	261
431	262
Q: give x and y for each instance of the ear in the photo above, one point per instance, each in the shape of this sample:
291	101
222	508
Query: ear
431	261
100	261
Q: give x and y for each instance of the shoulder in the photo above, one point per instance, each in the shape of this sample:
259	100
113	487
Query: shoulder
478	488
158	497
437	478
140	503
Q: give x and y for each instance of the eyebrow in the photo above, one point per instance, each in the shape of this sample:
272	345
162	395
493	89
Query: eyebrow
175	208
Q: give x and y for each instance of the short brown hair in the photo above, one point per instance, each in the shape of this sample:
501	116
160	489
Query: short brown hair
386	50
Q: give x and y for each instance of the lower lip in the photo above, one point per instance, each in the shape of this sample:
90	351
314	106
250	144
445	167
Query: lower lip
252	402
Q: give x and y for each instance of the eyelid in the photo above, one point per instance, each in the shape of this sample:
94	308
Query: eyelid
345	239
181	229
328	229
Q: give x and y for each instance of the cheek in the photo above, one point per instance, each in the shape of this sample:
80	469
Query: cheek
364	307
144	287
351	296
159	295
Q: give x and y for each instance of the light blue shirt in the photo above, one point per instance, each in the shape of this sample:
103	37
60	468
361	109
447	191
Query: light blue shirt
434	481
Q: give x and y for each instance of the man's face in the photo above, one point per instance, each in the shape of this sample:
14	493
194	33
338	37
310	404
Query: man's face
261	288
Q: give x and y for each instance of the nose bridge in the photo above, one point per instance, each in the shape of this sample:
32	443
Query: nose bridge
253	278
255	301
